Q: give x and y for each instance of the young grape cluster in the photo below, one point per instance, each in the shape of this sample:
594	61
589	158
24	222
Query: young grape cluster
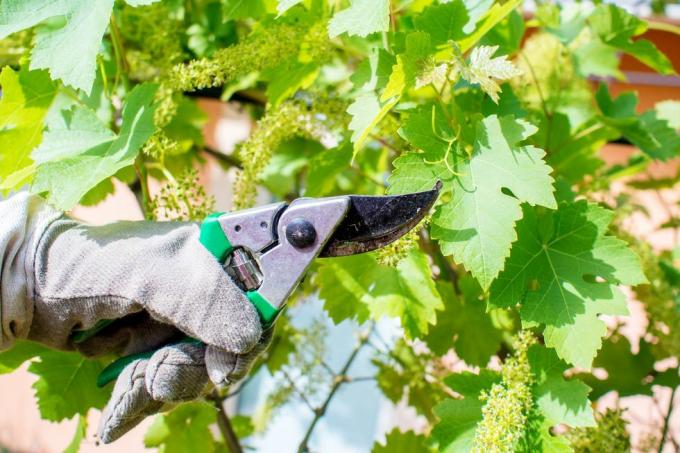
262	50
183	199
508	403
610	434
290	119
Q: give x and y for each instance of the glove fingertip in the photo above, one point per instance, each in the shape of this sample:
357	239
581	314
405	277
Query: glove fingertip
177	373
130	403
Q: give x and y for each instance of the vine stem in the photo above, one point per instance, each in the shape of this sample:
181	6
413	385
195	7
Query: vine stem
223	422
666	420
140	169
340	379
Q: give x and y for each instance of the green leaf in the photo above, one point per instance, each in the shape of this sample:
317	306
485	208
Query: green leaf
395	379
67	385
140	2
82	152
443	23
26	98
594	58
627	373
400	442
185	428
374	72
68	39
477	225
286	80
652	135
243	426
285	5
491	18
356	287
565	21
342	286
81	431
616	27
20	352
362	18
464	325
367	111
458	418
324	168
507	35
559	400
242	9
552	272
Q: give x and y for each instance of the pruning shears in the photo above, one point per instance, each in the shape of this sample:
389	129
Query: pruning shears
267	250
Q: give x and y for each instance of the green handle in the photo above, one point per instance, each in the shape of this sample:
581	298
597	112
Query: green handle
213	238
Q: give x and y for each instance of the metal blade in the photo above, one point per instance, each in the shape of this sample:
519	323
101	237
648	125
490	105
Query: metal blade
373	222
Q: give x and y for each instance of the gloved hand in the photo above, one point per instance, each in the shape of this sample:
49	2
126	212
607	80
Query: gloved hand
160	283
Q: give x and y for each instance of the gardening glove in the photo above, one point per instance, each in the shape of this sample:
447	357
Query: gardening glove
155	279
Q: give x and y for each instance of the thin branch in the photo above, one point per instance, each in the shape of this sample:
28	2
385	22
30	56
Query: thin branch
140	169
351	380
328	368
385	143
223	422
226	159
544	104
340	379
299	392
666	421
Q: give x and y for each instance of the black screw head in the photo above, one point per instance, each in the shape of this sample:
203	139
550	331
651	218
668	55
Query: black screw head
300	233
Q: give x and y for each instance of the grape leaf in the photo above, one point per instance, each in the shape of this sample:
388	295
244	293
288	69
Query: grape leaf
487	71
599	59
395	379
185	428
285	80
140	2
464	325
362	18
77	440
242	9
285	5
400	442
565	21
507	34
627	373
367	111
324	168
458	418
68	43
82	152
559	400
491	18
20	352
66	385
477	225
369	107
356	287
552	270
652	135
374	72
555	401
444	22
26	98
616	27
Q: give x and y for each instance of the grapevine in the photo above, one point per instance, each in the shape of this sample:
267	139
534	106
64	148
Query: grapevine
499	322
